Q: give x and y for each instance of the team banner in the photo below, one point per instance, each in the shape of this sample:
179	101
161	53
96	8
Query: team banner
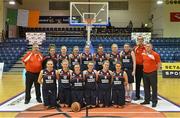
171	70
145	35
35	37
175	16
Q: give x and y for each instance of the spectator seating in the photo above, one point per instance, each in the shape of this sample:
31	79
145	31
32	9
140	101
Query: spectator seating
11	50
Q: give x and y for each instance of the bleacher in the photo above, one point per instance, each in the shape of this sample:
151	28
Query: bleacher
11	51
168	48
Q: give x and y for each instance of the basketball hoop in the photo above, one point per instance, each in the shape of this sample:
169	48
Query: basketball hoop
89	21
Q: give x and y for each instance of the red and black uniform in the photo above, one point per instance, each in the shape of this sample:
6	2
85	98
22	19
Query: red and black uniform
61	58
127	65
85	60
49	88
64	87
104	85
118	89
54	59
99	59
77	88
74	60
114	58
90	87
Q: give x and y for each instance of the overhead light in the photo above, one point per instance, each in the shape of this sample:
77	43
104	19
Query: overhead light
12	2
159	2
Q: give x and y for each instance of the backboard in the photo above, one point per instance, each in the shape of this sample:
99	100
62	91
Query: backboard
89	13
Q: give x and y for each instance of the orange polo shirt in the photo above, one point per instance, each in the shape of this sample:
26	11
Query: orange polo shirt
138	50
150	61
33	62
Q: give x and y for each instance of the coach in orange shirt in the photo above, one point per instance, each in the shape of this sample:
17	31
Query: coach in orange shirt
33	64
138	50
151	63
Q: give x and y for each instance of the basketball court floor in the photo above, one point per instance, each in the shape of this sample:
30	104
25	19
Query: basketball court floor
12	102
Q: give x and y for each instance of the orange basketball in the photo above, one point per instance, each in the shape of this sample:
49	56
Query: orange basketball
75	106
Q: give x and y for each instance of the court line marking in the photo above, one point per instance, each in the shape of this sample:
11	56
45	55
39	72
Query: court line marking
9	99
176	104
166	99
29	112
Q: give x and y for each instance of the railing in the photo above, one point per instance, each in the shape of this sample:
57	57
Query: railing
157	33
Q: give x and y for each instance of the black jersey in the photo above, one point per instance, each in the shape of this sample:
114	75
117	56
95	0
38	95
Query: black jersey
61	58
64	80
74	60
127	61
104	80
77	82
90	79
114	58
118	80
86	58
99	60
49	78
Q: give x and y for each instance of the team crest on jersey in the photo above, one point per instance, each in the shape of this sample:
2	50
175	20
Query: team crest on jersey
49	77
91	76
65	77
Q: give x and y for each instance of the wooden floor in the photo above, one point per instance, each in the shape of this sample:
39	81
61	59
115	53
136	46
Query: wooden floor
13	83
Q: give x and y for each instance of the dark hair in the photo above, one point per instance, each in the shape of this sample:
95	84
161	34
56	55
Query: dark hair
127	44
51	46
49	60
100	45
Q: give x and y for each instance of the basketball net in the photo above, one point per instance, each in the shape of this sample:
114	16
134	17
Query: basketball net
89	22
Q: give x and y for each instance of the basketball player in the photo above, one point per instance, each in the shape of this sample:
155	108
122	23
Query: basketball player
104	85
74	57
77	85
90	77
114	56
63	55
52	55
86	57
64	87
128	65
47	78
119	81
99	58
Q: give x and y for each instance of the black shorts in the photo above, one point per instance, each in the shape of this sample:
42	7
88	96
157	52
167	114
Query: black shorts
129	74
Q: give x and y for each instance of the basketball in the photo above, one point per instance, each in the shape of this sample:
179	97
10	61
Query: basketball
75	106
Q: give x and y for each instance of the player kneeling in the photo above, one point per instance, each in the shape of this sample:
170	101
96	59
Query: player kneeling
90	76
77	85
119	80
47	78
